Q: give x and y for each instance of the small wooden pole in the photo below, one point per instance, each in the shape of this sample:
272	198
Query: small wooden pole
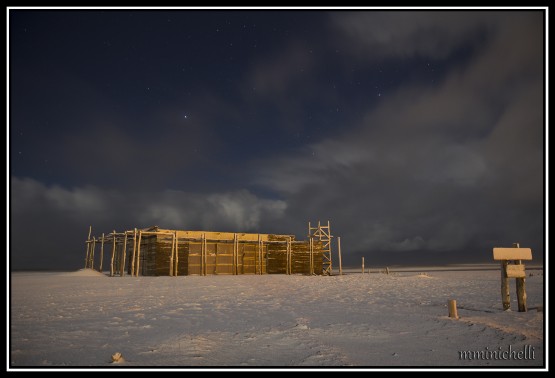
172	268
311	267
235	252
123	253
91	256
339	251
257	257
521	294
363	265
139	253
505	293
329	246
134	251
176	255
203	255
101	253
288	267
386	270
117	257
113	253
453	309
260	254
520	287
87	255
88	247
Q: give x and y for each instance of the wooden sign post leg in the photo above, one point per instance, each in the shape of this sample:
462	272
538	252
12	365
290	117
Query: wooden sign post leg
521	294
505	294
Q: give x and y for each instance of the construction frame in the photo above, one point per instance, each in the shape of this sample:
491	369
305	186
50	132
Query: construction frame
164	252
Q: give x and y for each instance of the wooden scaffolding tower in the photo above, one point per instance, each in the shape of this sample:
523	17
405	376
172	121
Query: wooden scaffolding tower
323	234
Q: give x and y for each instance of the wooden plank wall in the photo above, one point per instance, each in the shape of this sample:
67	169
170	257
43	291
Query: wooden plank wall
219	256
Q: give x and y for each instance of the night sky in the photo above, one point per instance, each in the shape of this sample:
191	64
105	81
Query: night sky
418	134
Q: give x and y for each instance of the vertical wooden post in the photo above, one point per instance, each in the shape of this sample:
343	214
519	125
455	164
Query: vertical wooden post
505	294
123	253
172	268
113	253
288	267
176	255
101	253
91	256
203	256
87	255
520	287
453	309
386	270
259	263
363	265
117	257
521	294
329	244
311	245
134	251
235	252
339	250
88	247
139	253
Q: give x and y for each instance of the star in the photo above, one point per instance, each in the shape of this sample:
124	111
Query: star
185	116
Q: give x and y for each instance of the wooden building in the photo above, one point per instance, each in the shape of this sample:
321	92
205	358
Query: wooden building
161	252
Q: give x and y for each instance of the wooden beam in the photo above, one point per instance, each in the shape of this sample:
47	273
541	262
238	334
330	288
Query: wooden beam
101	253
516	271
87	255
88	248
363	265
512	254
139	253
339	251
91	256
505	293
235	253
123	253
113	253
521	294
176	255
134	251
172	268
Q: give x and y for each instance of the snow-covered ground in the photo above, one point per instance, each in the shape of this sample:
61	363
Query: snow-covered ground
362	320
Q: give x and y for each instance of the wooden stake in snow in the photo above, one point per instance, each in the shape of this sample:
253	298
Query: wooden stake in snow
453	309
363	265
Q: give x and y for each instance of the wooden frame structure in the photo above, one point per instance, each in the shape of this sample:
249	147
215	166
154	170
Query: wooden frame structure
161	252
512	267
323	234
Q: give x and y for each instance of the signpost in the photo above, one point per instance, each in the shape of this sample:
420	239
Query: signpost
512	267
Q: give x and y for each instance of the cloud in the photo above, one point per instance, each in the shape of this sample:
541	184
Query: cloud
404	34
454	168
58	218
